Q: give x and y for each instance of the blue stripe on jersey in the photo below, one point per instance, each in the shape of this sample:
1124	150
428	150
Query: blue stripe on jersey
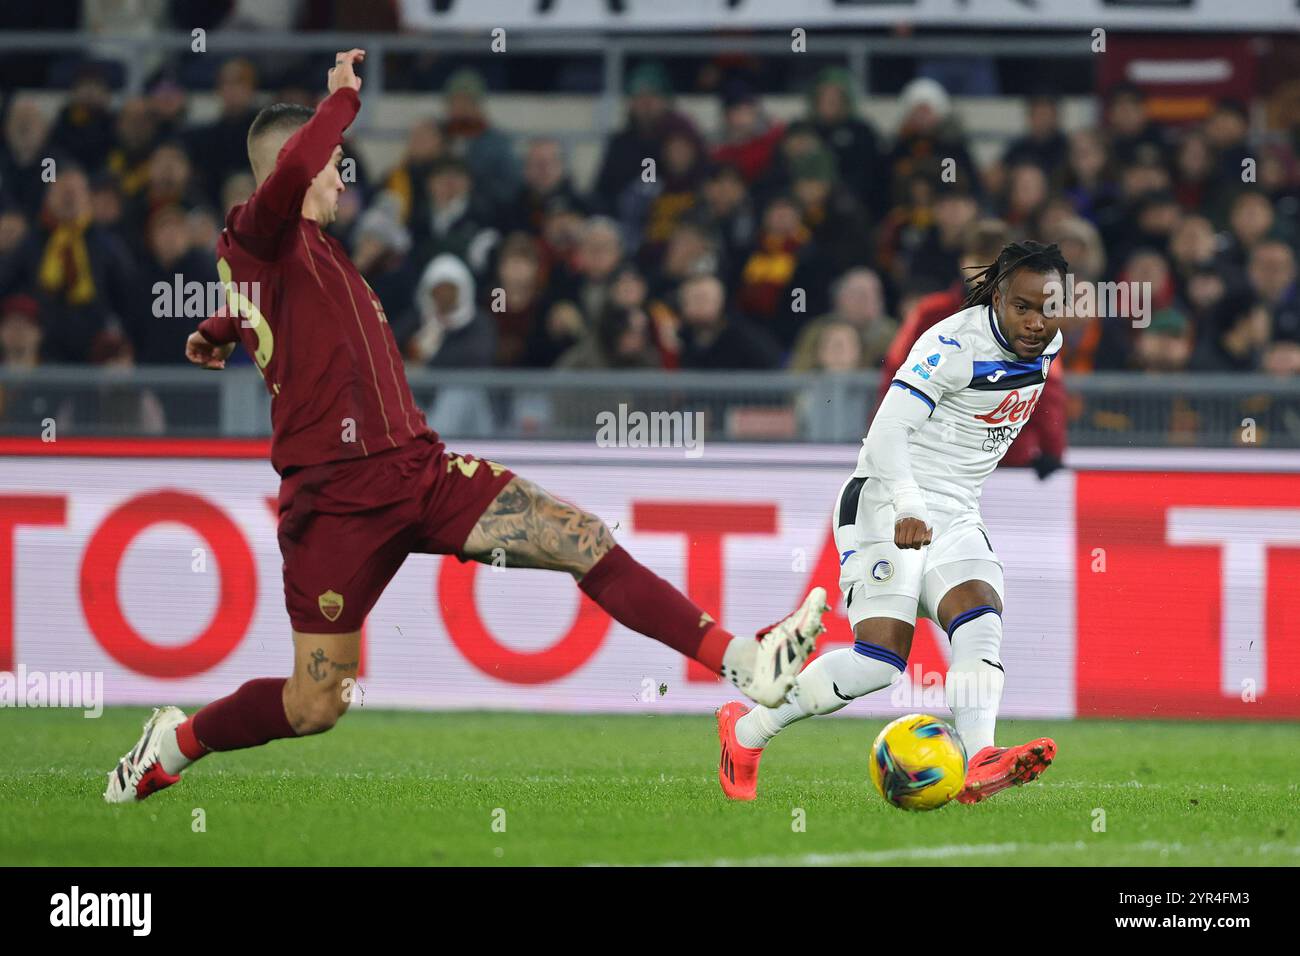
915	391
1002	376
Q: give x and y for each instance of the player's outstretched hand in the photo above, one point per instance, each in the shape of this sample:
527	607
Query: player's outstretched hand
911	533
343	74
204	354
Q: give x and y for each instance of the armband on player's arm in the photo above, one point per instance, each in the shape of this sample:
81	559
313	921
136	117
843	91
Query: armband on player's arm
900	414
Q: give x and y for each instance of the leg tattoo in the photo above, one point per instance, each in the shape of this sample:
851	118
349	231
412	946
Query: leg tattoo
535	530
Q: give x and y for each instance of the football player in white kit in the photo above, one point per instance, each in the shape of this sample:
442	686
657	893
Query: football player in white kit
909	532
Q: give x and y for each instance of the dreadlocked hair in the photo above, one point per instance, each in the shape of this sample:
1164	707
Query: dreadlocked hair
1034	256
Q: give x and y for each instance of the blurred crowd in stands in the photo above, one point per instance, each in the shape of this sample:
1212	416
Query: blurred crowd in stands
807	245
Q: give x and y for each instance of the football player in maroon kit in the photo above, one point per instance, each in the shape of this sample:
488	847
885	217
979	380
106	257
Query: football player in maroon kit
365	482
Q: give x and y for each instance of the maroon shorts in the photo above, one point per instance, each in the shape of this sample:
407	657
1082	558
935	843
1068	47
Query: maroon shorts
346	527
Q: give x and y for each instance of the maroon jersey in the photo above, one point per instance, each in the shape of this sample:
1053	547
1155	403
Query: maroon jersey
313	325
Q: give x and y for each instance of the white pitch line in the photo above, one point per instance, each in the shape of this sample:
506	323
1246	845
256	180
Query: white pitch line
952	851
867	857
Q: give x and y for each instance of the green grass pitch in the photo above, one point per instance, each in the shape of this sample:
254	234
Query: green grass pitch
412	789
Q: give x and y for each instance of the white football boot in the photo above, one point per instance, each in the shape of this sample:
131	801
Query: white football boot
765	669
140	773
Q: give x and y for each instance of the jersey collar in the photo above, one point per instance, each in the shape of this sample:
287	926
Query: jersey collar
997	333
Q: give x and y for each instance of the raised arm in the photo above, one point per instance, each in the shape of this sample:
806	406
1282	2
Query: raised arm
261	223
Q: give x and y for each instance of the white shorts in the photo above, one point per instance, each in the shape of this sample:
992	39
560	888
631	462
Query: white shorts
880	579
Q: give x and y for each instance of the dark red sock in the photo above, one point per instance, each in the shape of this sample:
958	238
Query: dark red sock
638	598
251	716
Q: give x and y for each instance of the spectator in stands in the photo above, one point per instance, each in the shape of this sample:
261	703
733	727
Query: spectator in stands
516	304
24	405
222	144
1150	269
13	231
933	261
562	225
1089	179
381	251
1137	181
1272	276
711	339
1204	291
168	104
486	150
1228	132
236	189
833	345
1166	344
782	268
1238	338
169	181
545	178
1027	196
1194	169
726	211
83	129
832	112
650	119
600	250
749	136
79	270
1250	222
107	208
1279	177
1043	144
620	338
928	136
1133	137
832	215
691	250
447	328
408	181
159	339
22	155
859	304
136	135
1158	215
456	224
651	210
20	332
1192	246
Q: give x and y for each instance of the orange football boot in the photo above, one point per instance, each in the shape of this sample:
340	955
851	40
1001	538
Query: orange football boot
994	769
738	769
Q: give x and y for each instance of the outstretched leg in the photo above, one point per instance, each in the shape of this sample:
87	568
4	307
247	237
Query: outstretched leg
536	530
268	708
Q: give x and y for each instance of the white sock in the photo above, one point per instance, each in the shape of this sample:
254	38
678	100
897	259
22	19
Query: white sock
169	754
824	686
975	678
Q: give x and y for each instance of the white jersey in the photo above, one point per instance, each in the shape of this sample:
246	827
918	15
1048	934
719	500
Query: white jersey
980	395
